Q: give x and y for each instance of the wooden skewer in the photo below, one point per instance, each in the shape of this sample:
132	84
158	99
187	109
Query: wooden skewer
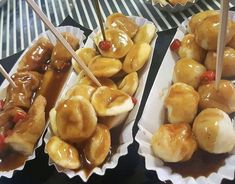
221	40
98	12
6	75
57	34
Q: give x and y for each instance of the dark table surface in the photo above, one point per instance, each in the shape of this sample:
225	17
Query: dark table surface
130	169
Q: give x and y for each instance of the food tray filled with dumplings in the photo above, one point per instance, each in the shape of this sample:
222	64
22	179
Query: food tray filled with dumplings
186	133
39	76
91	126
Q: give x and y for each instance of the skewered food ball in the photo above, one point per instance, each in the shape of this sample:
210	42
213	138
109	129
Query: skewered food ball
120	43
214	131
136	57
198	18
181	103
190	49
188	71
105	67
62	153
206	34
129	84
97	147
174	142
75	119
228	64
145	33
223	98
120	21
110	102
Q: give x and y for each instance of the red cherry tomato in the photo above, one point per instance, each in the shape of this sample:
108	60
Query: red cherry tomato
207	76
2	141
105	45
1	104
175	45
19	116
134	100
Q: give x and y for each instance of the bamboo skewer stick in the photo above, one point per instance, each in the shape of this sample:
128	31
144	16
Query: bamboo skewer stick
6	75
221	40
98	13
57	34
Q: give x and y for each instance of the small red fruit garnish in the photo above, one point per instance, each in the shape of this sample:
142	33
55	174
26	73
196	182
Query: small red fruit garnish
1	104
105	45
207	76
175	45
134	100
19	116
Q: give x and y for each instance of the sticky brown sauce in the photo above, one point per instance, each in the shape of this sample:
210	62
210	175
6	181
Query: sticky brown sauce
51	91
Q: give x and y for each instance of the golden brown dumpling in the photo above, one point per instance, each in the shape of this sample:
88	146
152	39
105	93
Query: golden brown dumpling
198	18
75	119
174	142
105	67
120	21
62	153
190	49
145	33
181	103
121	43
228	64
97	147
188	71
111	102
214	131
129	84
136	57
223	98
206	34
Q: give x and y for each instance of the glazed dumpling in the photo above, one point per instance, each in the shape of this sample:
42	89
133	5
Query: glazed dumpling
228	64
188	71
121	43
136	57
98	146
190	49
181	103
105	67
62	153
206	34
76	119
110	102
174	142
120	21
129	84
145	33
223	98
214	131
198	18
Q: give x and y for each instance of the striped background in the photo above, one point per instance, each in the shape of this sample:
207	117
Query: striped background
19	25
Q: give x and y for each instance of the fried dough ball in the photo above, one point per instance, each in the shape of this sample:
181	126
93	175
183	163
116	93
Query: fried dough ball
75	119
120	21
181	103
111	102
198	18
98	146
190	49
105	67
129	84
145	33
121	43
83	90
206	34
62	153
223	98
188	71
174	142
214	131
86	55
136	57
228	64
